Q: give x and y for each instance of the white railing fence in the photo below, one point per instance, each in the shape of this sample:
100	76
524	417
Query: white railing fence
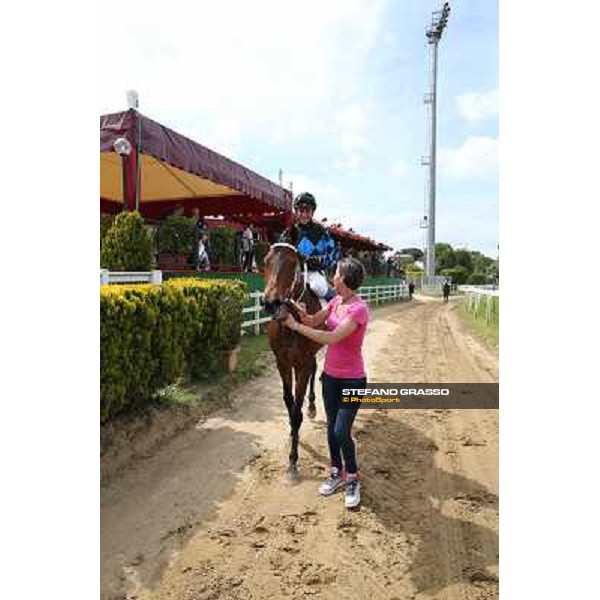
108	277
382	293
480	299
483	289
256	320
371	294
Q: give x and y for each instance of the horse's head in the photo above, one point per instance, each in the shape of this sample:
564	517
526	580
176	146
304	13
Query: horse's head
280	272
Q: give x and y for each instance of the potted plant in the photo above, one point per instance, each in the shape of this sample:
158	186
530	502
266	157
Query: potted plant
222	243
177	240
127	246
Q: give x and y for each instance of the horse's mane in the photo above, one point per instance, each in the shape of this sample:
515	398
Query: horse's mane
292	235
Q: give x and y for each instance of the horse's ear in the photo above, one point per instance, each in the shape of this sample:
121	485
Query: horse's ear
293	235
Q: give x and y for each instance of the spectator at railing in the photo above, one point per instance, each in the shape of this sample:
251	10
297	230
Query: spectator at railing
203	263
248	248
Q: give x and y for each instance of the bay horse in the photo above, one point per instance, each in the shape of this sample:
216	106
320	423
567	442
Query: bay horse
285	284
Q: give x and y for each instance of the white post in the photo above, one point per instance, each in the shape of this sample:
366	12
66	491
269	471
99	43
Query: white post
104	277
256	314
156	277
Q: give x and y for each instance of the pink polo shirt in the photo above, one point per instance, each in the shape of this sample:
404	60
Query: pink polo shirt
344	358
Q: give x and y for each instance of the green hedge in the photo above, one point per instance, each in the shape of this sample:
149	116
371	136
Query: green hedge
106	222
177	235
261	249
152	335
222	243
255	281
127	245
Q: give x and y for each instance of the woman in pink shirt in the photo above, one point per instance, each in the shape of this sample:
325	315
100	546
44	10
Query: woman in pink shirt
346	317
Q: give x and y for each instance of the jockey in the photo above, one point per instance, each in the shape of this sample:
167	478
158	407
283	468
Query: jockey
314	244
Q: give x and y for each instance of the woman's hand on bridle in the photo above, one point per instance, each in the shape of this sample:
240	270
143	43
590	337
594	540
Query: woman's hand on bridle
290	322
302	311
301	308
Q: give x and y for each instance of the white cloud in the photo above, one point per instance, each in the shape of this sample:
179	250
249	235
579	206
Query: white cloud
475	228
352	117
328	195
265	73
475	107
353	143
396	230
401	170
477	158
332	202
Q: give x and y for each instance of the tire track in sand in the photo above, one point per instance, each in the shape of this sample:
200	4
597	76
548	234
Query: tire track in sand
428	524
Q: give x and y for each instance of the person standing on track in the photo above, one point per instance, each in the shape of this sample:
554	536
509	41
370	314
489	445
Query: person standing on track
346	317
446	290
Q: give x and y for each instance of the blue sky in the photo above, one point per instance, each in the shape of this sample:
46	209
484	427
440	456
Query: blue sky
332	93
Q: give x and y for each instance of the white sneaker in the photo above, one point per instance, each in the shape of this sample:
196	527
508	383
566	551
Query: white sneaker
331	484
352	493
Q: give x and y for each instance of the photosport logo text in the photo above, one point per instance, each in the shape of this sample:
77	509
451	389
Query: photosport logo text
429	395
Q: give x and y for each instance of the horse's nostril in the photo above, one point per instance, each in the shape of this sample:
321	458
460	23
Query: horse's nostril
268	306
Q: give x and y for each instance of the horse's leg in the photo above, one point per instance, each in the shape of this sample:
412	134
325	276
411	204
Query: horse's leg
302	373
285	371
312	409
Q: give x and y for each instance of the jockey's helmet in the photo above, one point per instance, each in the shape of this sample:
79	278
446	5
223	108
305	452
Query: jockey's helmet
305	199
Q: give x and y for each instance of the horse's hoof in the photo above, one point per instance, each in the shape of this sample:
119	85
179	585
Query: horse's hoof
312	411
292	473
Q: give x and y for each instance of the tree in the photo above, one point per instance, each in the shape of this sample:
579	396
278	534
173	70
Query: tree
463	259
127	244
416	253
458	274
481	263
477	279
444	257
494	271
413	269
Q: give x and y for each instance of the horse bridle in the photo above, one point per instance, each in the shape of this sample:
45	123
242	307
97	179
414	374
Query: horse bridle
289	302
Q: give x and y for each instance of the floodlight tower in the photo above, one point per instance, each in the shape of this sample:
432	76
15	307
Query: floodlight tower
439	20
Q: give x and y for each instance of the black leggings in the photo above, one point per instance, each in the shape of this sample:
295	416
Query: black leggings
340	420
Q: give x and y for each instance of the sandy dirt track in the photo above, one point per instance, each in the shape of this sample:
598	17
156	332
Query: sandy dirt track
212	515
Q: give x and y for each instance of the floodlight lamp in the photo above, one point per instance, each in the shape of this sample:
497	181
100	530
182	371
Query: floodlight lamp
133	100
122	146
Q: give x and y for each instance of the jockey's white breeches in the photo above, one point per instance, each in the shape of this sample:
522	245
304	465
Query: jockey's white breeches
318	283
